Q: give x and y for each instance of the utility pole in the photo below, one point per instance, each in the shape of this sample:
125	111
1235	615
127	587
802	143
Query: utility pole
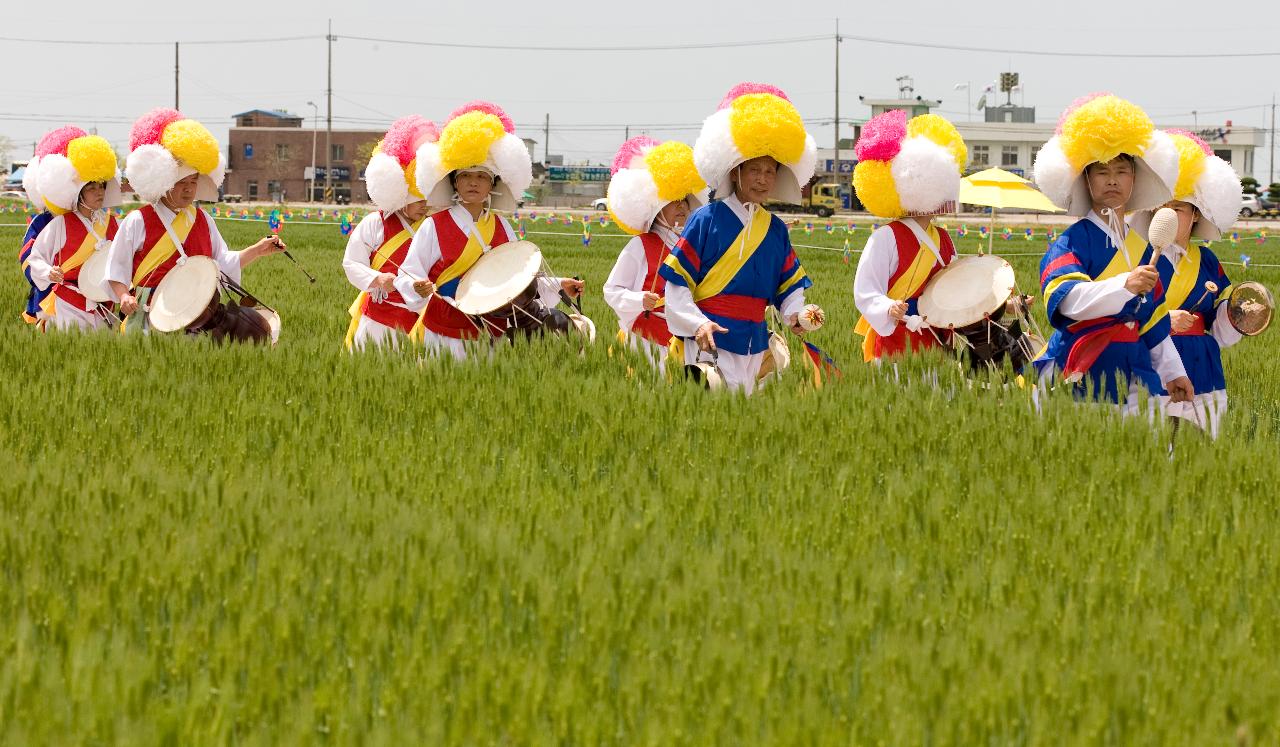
546	141
328	134
835	163
175	75
626	134
1271	179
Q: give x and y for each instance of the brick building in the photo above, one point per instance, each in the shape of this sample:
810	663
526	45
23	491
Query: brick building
270	154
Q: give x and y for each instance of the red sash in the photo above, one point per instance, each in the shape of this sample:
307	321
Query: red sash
390	311
1097	335
652	326
199	243
443	318
1197	326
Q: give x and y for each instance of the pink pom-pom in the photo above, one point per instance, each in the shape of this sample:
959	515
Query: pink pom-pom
487	108
743	89
57	141
1208	151
631	150
150	127
882	137
405	135
1076	105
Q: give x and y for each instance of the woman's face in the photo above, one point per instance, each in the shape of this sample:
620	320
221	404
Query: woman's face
183	193
1188	216
416	211
674	214
1111	183
473	187
93	194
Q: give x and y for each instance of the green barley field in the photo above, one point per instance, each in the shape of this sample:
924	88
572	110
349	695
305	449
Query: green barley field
237	545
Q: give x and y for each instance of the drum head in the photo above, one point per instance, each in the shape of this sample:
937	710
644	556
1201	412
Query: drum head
184	294
498	277
966	291
92	280
273	321
1250	308
584	327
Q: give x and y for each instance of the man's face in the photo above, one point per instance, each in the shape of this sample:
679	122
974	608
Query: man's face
1111	183
755	179
473	186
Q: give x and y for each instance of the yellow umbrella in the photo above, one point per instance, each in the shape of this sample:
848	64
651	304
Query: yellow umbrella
997	188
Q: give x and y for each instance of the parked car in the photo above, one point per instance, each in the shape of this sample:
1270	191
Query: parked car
12	195
1250	206
601	203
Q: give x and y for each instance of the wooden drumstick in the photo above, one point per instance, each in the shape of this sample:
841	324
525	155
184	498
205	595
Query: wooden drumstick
278	242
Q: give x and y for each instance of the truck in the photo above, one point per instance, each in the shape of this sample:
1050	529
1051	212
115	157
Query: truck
824	199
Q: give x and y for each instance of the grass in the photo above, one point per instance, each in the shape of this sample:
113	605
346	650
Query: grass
206	545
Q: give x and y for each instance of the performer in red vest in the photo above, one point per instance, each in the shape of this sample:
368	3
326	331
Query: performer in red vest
78	179
908	172
380	243
172	163
655	186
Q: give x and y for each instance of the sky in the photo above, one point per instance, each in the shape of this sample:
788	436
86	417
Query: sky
593	96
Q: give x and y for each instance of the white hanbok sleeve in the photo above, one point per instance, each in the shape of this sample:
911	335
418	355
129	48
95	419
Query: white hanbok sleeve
44	251
1222	331
1096	299
622	289
1166	361
423	254
792	304
128	240
877	264
357	259
683	315
228	261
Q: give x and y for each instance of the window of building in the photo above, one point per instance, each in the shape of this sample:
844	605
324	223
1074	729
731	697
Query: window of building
981	155
248	151
337	152
274	191
252	187
282	151
1008	155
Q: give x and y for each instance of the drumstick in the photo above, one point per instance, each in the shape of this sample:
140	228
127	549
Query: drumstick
276	240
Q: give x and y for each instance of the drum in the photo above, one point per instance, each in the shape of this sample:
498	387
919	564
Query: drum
1250	308
705	370
92	280
187	297
969	297
501	277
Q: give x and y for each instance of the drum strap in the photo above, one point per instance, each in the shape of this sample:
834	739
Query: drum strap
376	262
175	233
478	242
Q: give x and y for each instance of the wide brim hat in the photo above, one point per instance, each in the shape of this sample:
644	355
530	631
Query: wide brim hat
647	176
1096	129
164	148
755	120
391	176
909	167
65	160
478	135
1204	180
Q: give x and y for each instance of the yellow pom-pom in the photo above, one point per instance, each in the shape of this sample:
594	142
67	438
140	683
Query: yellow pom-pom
873	183
411	179
467	138
192	144
941	132
765	125
93	158
1102	129
671	165
1191	162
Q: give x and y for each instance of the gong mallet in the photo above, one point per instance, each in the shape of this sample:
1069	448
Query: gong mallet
1162	233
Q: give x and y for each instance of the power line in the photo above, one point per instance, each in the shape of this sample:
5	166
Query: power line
1051	53
134	43
602	48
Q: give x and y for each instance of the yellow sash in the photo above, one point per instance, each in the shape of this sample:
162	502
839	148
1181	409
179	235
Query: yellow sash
487	225
731	262
1184	278
81	255
164	248
906	286
376	262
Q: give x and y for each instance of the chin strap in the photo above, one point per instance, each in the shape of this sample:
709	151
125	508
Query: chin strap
1115	225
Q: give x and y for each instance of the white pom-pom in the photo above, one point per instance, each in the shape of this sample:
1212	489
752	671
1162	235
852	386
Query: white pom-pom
511	157
31	183
151	171
60	182
1164	229
633	198
431	176
384	179
714	152
925	175
1161	155
1053	174
807	164
1218	195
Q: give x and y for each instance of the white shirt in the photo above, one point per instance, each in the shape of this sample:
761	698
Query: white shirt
624	291
133	232
363	244
425	252
876	266
683	315
44	252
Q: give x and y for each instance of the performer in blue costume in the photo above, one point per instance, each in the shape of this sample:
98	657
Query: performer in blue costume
734	259
1103	294
1207	201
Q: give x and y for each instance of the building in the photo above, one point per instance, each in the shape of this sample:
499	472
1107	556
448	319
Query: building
270	153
